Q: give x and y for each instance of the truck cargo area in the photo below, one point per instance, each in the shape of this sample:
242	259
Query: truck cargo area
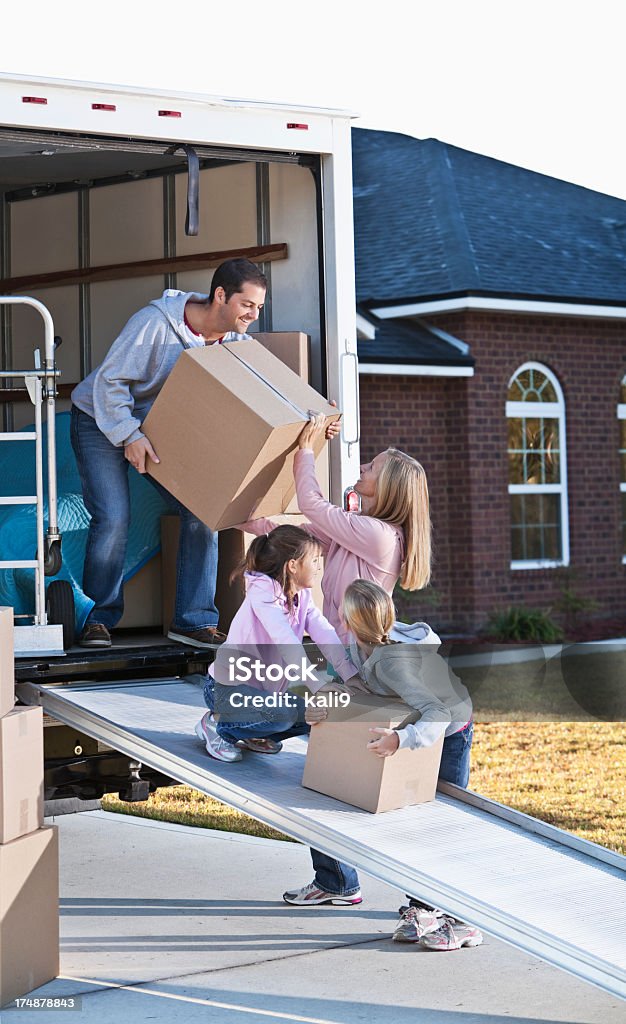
532	885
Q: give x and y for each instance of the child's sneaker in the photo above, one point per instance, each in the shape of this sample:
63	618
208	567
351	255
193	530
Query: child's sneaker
217	747
451	935
415	922
420	906
312	896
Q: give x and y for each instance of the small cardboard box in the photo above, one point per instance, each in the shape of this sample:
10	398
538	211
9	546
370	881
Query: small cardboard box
338	763
225	427
7	673
29	913
21	773
291	347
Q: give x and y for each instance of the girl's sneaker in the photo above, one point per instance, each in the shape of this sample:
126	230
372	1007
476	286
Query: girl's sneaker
416	922
312	896
451	935
217	747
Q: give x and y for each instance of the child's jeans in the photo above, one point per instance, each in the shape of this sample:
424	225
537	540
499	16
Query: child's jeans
333	876
239	723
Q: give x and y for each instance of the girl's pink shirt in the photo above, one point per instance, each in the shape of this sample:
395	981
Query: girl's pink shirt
265	620
355	546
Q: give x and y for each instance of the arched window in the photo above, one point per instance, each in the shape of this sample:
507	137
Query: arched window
537	469
621	415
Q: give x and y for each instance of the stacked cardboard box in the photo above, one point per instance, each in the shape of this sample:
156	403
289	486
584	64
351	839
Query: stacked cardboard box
29	862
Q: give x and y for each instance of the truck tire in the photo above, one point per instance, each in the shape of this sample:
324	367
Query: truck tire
60	609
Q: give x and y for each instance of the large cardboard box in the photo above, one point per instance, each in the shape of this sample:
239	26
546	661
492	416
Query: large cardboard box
21	773
339	764
7	675
225	427
29	913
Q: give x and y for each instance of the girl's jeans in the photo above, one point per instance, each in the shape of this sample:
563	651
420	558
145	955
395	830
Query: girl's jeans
103	472
335	877
258	723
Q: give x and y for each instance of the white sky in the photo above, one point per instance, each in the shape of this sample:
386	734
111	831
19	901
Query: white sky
539	83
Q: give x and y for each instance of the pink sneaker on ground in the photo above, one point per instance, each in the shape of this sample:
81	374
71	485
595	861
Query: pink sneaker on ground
451	935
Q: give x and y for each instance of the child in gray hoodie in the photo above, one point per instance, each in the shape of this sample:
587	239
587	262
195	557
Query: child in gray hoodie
403	661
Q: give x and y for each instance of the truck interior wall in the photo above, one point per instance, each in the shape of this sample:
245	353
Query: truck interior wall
295	281
228	216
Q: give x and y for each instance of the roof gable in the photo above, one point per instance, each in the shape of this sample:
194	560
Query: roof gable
433	220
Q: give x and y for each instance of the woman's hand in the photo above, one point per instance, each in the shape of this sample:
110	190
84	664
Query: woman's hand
386	745
333	428
313	431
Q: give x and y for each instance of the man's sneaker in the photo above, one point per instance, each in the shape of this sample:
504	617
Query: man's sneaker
209	636
451	935
95	635
416	922
312	896
217	747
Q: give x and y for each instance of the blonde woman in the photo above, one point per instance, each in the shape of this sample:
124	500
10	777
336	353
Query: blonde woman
386	542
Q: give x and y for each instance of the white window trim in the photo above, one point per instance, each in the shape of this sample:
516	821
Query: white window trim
546	410
621	415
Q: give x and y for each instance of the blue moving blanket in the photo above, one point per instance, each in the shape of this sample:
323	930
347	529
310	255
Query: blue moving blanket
18	523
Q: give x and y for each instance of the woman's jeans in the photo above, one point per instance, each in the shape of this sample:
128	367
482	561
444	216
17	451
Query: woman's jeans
333	876
255	723
103	470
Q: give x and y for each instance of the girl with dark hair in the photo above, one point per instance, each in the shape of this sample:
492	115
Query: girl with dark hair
247	691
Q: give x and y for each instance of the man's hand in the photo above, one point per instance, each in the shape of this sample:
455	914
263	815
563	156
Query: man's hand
386	745
313	431
138	452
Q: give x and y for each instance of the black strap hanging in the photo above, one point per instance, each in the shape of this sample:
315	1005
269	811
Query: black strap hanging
193	186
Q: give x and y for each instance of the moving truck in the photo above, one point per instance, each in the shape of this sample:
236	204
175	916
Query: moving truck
109	196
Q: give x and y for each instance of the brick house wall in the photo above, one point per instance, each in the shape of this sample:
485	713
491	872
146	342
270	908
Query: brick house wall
457	428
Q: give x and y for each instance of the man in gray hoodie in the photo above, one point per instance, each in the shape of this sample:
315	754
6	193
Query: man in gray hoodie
108	409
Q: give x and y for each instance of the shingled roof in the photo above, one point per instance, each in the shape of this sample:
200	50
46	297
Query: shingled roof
401	342
434	221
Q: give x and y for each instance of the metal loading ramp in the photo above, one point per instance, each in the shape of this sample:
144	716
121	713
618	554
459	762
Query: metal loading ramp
532	885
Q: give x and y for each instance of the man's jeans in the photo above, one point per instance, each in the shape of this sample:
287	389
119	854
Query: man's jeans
103	472
336	877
